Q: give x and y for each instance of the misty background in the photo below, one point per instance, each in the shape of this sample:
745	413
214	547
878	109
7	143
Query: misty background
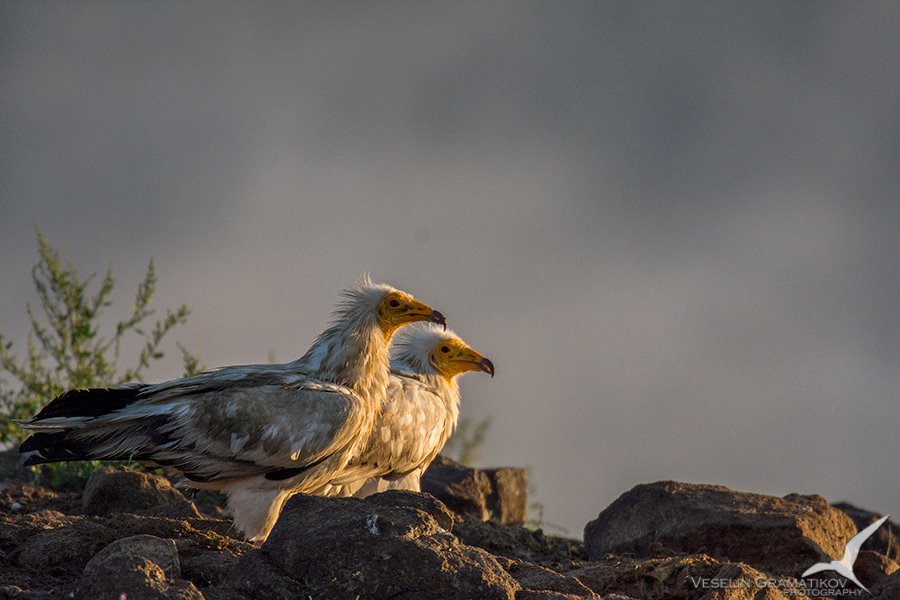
674	227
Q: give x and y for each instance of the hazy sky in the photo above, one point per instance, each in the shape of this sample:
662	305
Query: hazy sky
674	227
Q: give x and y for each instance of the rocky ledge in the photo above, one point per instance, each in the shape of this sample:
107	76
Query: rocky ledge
132	536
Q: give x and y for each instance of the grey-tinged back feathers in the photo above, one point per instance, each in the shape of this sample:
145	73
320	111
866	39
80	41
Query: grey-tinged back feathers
260	433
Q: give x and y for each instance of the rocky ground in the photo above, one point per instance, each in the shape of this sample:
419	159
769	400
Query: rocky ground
132	536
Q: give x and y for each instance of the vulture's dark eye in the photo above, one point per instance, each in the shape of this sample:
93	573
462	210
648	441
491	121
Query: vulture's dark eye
394	303
445	349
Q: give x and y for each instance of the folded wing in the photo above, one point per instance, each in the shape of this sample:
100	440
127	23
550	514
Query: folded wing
232	423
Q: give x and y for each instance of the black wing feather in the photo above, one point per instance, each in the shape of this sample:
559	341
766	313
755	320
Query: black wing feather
92	402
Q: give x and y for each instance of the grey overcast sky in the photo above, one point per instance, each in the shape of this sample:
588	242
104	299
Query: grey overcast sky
674	227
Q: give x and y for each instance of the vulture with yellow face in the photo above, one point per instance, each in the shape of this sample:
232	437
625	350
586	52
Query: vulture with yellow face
419	413
258	433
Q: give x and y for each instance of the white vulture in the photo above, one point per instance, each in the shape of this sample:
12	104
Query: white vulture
258	433
420	411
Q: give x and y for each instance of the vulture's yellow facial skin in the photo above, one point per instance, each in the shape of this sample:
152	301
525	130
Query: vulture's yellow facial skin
452	357
397	309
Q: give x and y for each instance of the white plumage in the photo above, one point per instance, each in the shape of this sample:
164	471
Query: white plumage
260	433
420	412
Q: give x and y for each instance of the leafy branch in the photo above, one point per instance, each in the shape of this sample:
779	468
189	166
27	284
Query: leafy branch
65	348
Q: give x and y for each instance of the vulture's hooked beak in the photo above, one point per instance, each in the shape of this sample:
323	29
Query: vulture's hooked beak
486	365
437	317
455	357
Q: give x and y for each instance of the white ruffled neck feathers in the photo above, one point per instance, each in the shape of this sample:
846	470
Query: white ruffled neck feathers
413	345
353	350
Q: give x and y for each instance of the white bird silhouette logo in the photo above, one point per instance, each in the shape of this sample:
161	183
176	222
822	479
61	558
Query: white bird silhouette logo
851	550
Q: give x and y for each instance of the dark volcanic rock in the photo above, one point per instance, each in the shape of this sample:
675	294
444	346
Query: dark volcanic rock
885	540
207	568
873	569
535	577
157	550
111	490
390	545
778	535
682	577
143	539
15	592
139	567
517	542
462	489
66	548
135	578
255	577
508	502
53	547
491	493
889	589
27	498
548	595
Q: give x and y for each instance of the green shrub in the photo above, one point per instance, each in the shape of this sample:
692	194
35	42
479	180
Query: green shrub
463	445
65	347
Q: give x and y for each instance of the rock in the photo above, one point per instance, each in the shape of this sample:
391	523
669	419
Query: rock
777	535
64	549
45	552
149	543
159	551
889	589
60	546
14	592
255	577
135	577
208	568
885	540
464	490
212	534
8	592
872	568
690	577
537	578
508	501
394	544
141	567
547	595
492	493
23	497
517	542
111	490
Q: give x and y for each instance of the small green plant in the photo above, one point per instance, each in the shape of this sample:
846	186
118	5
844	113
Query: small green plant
65	348
535	515
463	445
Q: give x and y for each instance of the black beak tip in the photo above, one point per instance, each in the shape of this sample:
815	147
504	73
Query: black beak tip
437	317
487	366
